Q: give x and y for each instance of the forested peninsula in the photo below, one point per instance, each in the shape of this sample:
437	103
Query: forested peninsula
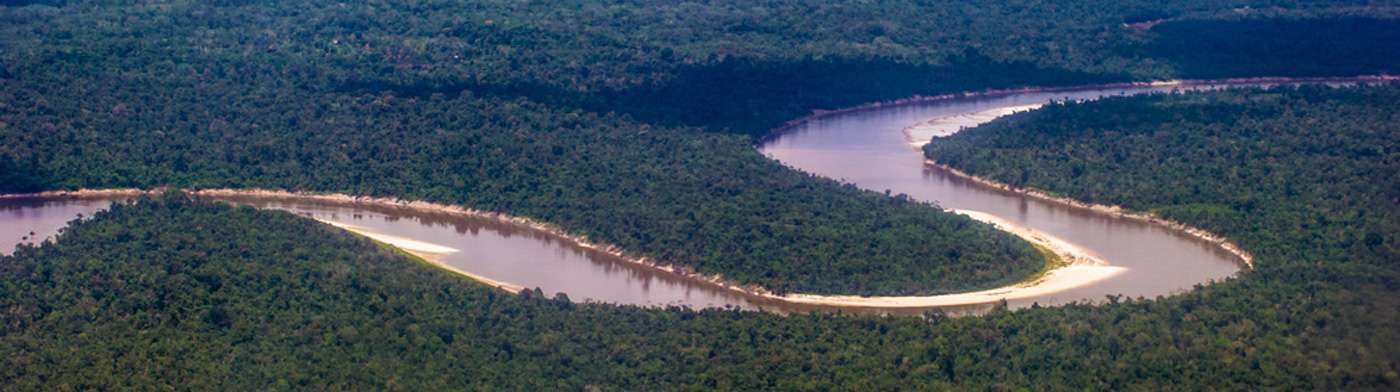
1302	177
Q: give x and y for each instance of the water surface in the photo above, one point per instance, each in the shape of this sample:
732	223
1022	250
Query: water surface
33	220
519	255
869	148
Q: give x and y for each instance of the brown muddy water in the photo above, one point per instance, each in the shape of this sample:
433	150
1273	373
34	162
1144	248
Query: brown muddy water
868	148
878	149
490	248
33	220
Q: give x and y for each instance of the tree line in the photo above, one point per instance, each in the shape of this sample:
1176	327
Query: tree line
1303	178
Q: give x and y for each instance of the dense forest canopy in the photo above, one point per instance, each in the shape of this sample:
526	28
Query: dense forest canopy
1304	178
631	122
178	293
707	201
508	106
1181	156
745	66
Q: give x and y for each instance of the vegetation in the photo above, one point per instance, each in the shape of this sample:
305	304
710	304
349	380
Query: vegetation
1303	178
425	101
702	200
183	294
731	64
631	122
1319	163
508	106
1293	47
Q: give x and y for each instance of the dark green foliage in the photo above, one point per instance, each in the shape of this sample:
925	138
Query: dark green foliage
718	64
707	201
176	294
19	176
1303	178
501	106
424	100
752	96
1320	163
1261	47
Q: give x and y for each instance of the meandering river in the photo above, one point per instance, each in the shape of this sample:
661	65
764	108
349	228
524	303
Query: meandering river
874	149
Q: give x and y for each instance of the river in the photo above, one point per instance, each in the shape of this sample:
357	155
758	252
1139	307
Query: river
873	148
870	148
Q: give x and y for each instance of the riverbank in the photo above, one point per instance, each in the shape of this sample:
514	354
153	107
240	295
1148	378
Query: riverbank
1081	268
429	253
993	93
946	126
1111	210
84	194
1085	268
1073	267
417	248
922	133
1072	274
557	232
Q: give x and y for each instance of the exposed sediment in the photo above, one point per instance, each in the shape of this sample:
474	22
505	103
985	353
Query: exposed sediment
1110	210
1078	268
429	252
1084	267
920	134
1082	273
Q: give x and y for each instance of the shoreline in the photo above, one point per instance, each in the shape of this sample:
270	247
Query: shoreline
818	114
922	138
1242	256
1109	210
758	292
1082	269
527	223
1113	211
428	252
420	206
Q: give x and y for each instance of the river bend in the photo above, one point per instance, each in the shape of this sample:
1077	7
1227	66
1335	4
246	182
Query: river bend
875	149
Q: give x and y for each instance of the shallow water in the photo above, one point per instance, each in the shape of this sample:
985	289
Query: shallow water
519	255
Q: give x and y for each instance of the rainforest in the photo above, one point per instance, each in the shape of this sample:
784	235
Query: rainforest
655	131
